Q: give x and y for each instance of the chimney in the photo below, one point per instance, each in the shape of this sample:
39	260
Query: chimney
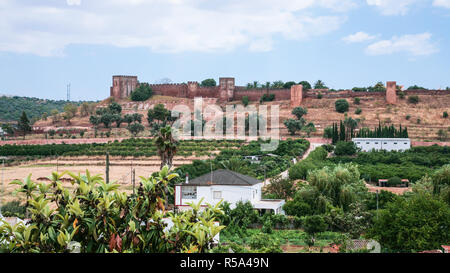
187	178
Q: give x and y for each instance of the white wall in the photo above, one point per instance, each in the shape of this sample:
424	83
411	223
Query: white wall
231	194
388	144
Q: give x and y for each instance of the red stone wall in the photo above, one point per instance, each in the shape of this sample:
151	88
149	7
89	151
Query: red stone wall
296	95
256	94
391	94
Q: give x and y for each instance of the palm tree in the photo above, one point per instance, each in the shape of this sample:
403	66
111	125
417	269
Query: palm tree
166	145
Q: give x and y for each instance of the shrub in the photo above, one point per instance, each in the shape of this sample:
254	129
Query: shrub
267	97
328	147
264	243
345	148
142	93
356	100
267	226
413	99
408	117
358	111
401	95
342	106
394	181
445	115
14	209
418	121
245	100
319	96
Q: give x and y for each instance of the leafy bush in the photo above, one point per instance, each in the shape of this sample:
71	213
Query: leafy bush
97	218
14	209
345	148
357	101
342	106
264	243
413	99
142	93
267	97
358	111
245	100
394	181
445	115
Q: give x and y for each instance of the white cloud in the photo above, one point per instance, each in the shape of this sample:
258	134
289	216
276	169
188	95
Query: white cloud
392	7
442	3
73	2
164	25
358	37
415	45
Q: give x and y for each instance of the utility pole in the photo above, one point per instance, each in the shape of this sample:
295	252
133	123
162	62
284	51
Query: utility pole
3	187
107	167
133	176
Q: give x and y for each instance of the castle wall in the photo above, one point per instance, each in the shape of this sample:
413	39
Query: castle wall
226	91
256	94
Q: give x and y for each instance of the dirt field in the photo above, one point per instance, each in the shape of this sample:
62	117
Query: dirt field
120	171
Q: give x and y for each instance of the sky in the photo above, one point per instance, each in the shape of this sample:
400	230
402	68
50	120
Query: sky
47	44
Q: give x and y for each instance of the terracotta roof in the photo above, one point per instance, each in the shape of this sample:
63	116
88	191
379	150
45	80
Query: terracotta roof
224	177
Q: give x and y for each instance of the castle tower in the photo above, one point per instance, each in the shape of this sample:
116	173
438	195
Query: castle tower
192	88
296	95
123	86
391	92
226	89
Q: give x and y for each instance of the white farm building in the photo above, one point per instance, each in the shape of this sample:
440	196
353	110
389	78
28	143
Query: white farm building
225	185
388	144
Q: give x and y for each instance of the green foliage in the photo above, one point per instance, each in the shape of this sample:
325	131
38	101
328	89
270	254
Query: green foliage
306	85
379	87
383	132
358	111
142	93
320	85
11	108
345	148
13	209
263	243
294	125
208	83
357	101
288	85
316	159
23	125
394	181
267	97
99	218
328	132
115	108
245	100
445	114
412	224
415	87
342	106
413	99
135	128
314	224
299	112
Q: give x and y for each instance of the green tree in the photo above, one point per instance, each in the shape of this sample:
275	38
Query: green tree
166	146
136	128
412	224
299	112
306	85
23	125
70	111
107	119
245	100
142	93
345	148
312	225
208	83
320	85
115	108
342	106
294	125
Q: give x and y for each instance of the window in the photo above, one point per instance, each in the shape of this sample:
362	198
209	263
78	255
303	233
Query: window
189	192
376	143
367	142
217	194
406	143
395	143
385	143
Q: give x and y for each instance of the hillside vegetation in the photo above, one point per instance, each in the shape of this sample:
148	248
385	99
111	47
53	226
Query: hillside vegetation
11	108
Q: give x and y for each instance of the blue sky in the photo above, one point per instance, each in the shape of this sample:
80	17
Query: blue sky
44	45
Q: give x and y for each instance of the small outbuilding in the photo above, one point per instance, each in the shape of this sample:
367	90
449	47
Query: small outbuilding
225	185
378	144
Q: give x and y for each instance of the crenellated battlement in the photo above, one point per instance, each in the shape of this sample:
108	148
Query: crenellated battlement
227	91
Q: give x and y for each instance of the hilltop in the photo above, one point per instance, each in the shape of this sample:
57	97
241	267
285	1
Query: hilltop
11	107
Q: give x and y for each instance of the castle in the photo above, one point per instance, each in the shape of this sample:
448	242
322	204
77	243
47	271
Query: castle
227	91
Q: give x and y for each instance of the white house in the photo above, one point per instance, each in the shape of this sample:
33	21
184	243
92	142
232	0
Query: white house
225	185
388	144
